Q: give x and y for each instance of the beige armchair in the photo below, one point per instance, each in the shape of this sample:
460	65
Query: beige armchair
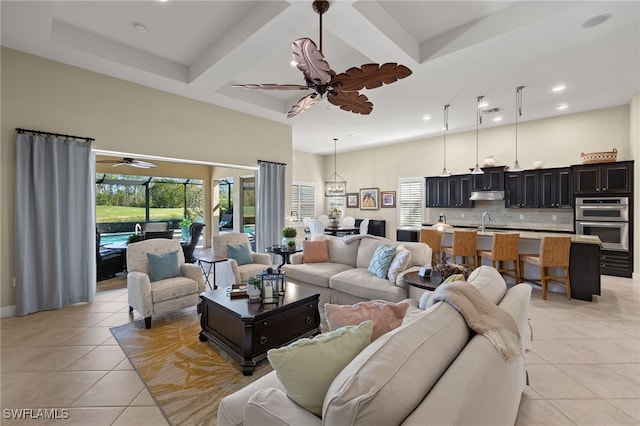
242	272
164	295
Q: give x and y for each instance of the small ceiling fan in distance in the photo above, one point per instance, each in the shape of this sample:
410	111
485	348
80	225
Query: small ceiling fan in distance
341	89
128	161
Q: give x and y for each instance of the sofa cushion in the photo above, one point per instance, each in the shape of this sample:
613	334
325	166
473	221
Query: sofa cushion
317	274
315	251
391	376
382	257
162	266
240	253
421	253
360	283
173	288
399	263
368	246
307	367
385	315
339	252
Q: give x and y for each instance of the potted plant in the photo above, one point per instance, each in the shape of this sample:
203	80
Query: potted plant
254	288
288	235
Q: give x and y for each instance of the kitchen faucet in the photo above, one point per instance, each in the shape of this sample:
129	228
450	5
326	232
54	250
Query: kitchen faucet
486	216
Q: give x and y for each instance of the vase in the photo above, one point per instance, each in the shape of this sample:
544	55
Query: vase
334	222
285	241
253	292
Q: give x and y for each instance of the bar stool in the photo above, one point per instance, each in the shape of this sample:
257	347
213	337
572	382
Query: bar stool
433	238
504	248
554	252
464	245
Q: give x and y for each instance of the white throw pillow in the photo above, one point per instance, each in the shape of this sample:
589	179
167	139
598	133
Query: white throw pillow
399	262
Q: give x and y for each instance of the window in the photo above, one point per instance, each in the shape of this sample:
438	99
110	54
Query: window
410	201
303	200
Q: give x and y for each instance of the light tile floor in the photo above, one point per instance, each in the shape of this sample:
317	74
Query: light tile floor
583	363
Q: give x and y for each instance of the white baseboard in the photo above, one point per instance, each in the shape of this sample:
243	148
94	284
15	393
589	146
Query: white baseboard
8	311
635	276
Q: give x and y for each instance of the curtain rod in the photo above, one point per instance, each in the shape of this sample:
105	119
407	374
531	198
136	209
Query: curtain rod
271	162
39	132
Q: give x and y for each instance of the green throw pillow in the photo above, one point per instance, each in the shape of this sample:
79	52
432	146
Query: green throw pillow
453	278
163	266
307	367
380	261
240	253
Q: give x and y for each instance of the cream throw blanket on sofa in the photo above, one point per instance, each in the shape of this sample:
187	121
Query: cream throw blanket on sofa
482	316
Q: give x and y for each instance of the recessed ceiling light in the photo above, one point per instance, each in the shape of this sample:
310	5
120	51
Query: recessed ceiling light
497	118
139	27
558	88
426	117
596	20
562	107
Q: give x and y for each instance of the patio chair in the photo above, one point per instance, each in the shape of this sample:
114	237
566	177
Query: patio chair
195	230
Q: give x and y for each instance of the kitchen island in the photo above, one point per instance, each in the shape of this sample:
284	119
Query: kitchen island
584	258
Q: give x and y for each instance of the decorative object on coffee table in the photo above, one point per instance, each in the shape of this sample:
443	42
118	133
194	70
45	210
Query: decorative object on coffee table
272	285
254	288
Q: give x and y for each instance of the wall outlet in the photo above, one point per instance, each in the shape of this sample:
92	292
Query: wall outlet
521	216
554	217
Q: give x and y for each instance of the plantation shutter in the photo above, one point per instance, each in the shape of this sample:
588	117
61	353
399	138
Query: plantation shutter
303	200
410	202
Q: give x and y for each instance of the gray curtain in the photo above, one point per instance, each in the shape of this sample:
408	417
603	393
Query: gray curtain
55	222
270	204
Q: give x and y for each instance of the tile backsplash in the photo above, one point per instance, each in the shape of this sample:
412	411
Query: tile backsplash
537	219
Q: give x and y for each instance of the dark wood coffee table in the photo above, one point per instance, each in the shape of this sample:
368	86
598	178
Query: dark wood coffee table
247	330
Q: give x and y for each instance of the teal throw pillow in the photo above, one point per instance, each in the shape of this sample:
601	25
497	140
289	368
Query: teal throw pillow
163	266
307	367
380	261
240	253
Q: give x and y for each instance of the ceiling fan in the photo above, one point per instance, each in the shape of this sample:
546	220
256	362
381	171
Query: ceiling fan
128	161
341	89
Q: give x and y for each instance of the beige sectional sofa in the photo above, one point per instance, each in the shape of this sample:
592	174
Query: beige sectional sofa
345	280
432	370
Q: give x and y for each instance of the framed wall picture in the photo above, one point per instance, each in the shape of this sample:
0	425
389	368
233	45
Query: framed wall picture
369	199
353	199
388	198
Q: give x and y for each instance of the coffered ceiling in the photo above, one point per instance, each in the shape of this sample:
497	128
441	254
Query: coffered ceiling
457	51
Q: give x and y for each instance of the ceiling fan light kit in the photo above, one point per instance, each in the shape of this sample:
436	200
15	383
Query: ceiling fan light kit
341	90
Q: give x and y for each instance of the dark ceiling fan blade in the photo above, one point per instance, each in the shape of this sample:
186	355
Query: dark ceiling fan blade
303	104
351	101
310	60
272	86
370	76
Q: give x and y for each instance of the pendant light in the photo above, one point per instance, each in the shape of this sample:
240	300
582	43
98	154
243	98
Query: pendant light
445	172
477	170
332	186
516	166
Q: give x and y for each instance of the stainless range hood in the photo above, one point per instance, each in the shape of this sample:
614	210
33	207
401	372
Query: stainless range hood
487	195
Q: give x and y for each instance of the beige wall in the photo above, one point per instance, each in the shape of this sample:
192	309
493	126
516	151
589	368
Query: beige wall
45	95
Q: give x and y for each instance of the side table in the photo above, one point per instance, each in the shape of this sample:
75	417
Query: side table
206	256
418	285
284	252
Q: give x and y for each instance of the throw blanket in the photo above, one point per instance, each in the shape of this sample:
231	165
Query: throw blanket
482	316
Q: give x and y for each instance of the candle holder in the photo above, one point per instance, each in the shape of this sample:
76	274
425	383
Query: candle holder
273	285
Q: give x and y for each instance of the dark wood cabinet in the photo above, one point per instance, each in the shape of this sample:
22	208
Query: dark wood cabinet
491	180
451	191
607	178
521	189
555	188
437	191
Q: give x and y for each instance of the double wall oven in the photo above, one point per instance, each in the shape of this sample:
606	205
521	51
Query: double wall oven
606	217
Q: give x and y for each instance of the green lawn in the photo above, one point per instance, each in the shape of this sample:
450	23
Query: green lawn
135	214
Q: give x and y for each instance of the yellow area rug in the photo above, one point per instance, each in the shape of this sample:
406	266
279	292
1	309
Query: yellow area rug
186	377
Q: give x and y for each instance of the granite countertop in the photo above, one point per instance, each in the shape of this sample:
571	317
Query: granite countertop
533	235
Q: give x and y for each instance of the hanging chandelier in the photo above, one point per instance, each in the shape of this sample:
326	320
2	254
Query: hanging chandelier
445	127
335	186
516	166
477	170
